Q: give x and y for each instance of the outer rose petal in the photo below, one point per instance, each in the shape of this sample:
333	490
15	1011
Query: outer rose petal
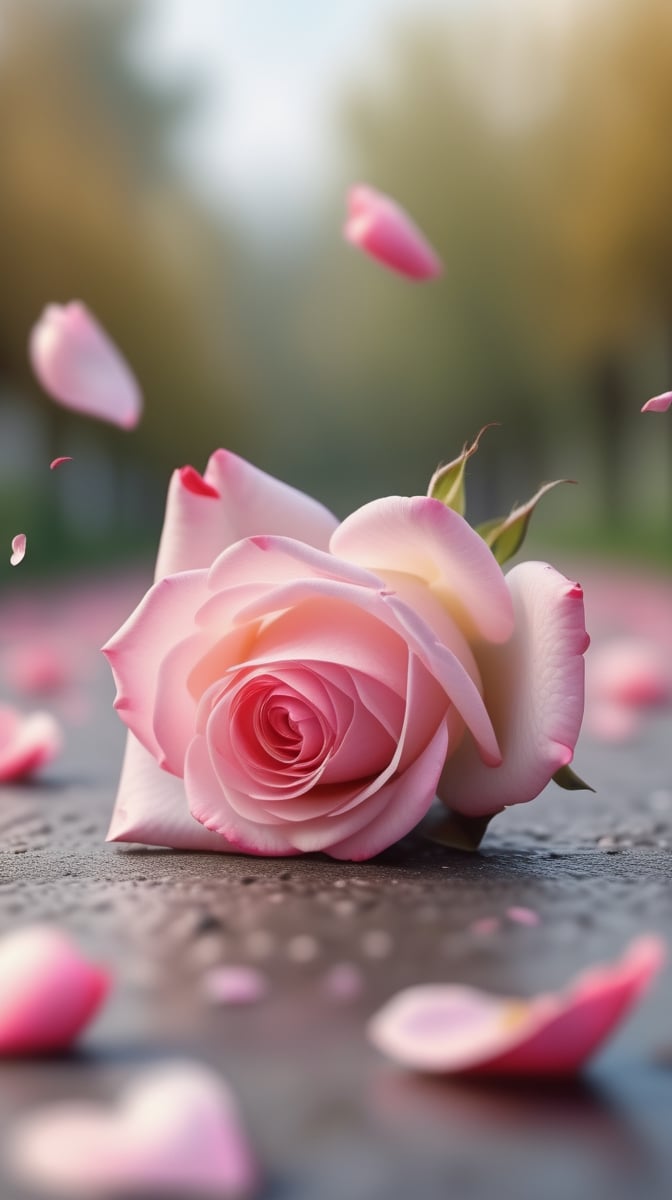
78	364
26	743
381	228
151	807
135	651
423	538
444	1029
48	991
237	501
178	1131
534	689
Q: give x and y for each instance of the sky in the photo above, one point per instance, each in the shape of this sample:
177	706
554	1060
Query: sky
270	69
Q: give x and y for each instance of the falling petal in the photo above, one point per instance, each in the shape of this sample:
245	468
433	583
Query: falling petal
78	364
18	549
658	403
177	1130
446	1029
383	230
57	462
49	992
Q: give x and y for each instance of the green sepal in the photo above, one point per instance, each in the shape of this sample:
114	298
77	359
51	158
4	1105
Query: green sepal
447	483
568	779
505	535
456	831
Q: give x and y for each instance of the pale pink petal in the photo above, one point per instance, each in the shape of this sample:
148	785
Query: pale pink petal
608	722
382	229
523	916
18	549
26	742
423	538
629	671
534	686
233	500
343	982
178	1130
658	403
387	608
485	926
77	364
135	651
49	992
37	668
58	462
232	985
151	807
444	1029
407	799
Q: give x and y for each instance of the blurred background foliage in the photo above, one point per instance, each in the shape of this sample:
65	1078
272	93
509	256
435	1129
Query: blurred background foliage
534	152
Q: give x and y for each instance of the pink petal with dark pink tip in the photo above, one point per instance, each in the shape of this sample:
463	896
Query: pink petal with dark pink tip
658	403
445	1029
49	992
381	228
78	364
58	462
18	549
177	1131
205	514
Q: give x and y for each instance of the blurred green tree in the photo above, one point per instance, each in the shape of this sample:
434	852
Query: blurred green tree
93	206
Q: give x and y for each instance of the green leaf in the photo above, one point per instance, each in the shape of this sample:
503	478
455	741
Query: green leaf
505	535
447	483
568	779
456	831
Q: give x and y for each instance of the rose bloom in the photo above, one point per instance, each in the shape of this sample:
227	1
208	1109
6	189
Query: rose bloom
292	684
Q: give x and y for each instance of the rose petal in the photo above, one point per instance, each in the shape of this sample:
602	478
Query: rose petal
151	807
534	686
235	985
381	228
419	536
136	650
234	500
18	549
658	403
58	462
48	991
26	742
444	1029
37	668
177	1130
629	671
77	364
523	916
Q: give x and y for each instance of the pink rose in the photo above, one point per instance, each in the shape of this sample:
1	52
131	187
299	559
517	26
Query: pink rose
307	686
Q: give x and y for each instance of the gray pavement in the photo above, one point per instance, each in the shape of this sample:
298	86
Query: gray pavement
329	1117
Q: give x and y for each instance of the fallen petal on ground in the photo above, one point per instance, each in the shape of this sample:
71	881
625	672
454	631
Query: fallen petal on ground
177	1130
49	991
448	1029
